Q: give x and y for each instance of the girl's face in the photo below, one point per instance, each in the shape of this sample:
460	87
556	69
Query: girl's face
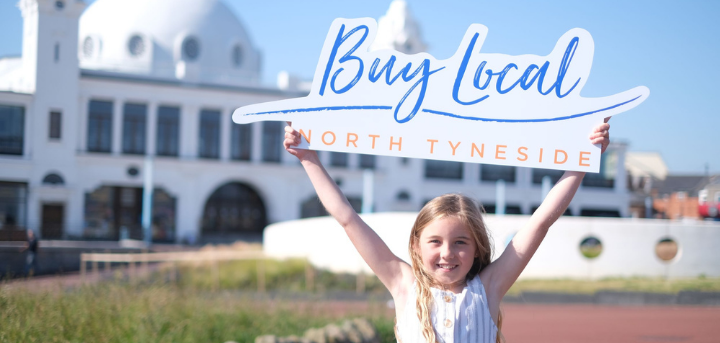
447	250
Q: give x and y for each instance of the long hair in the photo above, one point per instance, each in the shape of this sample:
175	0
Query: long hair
470	214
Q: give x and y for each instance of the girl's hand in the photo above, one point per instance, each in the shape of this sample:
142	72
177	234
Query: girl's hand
292	138
601	135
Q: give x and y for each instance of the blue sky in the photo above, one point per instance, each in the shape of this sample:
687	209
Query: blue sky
672	47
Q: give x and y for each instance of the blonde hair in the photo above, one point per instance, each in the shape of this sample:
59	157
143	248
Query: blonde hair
470	214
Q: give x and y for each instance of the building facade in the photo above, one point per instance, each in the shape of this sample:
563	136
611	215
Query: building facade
101	94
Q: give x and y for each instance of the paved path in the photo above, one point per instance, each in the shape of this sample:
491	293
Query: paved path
616	324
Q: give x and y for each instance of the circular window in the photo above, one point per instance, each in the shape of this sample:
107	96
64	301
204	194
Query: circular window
591	247
666	249
53	179
59	5
237	55
133	171
88	47
191	48
136	45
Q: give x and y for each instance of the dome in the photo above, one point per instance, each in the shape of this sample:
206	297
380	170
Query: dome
191	40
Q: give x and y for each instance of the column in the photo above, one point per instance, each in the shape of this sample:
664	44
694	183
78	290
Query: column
256	153
82	119
151	129
117	121
226	124
188	131
620	171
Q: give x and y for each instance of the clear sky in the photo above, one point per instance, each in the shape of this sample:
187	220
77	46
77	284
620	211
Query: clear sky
672	47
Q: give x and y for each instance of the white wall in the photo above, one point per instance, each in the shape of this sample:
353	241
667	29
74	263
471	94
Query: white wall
628	245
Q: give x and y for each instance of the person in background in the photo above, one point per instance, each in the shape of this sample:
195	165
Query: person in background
31	258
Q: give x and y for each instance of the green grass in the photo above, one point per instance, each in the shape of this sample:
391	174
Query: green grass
654	285
160	313
280	275
197	309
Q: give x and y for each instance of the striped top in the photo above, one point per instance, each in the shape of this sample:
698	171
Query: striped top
457	318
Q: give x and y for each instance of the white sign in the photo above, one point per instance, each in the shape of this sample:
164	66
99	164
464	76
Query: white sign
473	107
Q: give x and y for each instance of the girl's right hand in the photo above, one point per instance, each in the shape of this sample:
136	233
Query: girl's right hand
292	138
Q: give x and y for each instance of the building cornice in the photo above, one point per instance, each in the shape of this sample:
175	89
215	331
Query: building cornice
110	76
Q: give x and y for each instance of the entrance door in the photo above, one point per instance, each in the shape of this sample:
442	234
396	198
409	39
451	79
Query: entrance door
53	217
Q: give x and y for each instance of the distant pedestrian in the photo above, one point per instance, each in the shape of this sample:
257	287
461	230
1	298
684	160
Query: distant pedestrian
31	257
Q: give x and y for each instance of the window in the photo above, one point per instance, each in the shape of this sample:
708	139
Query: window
191	48
539	174
339	159
136	46
13	205
443	170
237	56
12	130
403	196
367	161
57	52
509	209
209	134
53	179
241	142
99	126
134	119
55	125
272	141
605	178
168	130
489	172
603	212
88	47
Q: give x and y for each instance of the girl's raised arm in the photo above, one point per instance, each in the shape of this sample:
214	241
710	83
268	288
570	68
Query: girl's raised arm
503	272
391	270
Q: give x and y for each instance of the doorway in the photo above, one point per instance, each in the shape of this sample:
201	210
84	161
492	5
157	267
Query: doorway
53	218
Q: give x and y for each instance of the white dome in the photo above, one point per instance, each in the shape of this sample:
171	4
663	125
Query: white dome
192	40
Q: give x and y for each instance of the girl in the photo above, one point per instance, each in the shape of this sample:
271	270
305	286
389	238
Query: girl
452	291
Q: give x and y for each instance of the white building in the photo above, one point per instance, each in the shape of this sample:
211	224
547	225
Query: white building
97	90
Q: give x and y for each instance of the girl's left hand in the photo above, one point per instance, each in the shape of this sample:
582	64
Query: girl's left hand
601	135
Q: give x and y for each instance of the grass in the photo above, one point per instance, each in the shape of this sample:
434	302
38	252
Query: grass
280	275
162	313
654	285
197	309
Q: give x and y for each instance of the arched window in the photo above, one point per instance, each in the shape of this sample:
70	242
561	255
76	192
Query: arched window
53	179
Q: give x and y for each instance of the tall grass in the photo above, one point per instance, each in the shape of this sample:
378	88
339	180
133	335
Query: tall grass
192	309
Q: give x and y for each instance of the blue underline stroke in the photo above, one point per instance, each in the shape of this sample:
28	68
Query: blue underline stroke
530	120
319	109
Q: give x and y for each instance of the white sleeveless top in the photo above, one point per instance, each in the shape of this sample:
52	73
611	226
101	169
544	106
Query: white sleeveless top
456	318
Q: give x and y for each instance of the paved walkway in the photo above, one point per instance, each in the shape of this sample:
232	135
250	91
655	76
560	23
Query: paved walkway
604	324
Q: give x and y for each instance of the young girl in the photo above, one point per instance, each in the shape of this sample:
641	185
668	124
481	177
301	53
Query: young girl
452	291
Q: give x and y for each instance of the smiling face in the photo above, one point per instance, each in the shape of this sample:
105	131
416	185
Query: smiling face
447	249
